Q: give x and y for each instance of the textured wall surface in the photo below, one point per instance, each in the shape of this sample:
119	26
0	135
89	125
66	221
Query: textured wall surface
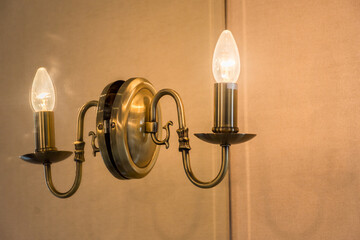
299	178
85	45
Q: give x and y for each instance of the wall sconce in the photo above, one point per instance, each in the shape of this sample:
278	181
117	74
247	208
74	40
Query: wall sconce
128	120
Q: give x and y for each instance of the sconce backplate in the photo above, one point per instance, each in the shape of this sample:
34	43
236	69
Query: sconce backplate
128	151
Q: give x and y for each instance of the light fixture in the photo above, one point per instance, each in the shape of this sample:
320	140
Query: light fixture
128	120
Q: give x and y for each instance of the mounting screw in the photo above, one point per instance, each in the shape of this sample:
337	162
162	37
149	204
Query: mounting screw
112	125
100	126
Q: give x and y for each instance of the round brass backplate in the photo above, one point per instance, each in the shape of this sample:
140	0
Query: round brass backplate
128	151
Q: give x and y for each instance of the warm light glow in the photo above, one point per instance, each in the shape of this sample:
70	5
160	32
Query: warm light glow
42	92
226	60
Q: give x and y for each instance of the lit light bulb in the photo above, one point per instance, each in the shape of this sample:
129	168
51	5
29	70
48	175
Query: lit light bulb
226	60
42	92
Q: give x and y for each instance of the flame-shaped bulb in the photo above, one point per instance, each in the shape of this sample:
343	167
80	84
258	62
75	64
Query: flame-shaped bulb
226	60
42	92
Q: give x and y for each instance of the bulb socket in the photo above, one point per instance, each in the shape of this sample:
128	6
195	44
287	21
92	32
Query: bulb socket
44	131
225	108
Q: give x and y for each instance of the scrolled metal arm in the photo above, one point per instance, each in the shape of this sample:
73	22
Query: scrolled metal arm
184	145
79	156
152	125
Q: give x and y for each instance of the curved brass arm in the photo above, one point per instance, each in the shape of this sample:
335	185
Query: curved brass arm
79	156
184	146
179	105
74	187
151	126
217	179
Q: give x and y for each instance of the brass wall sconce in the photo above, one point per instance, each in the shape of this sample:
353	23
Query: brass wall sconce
128	120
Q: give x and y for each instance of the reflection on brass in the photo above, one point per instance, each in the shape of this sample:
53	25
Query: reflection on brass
225	138
165	141
225	108
79	156
74	187
46	157
184	145
93	144
44	131
225	129
183	134
103	115
219	177
128	116
127	150
47	154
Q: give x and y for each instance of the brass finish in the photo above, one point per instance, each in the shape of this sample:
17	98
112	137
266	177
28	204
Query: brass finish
179	107
127	111
134	150
103	115
79	156
45	150
44	131
93	145
151	127
74	187
46	157
152	117
225	108
219	177
184	146
47	142
129	153
183	134
225	138
165	141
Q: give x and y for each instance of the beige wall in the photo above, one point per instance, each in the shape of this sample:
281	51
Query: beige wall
85	45
299	178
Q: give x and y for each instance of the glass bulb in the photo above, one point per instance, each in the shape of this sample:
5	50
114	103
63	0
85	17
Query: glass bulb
226	59
42	92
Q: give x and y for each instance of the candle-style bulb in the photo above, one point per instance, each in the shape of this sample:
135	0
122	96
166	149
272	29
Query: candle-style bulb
42	92
226	59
